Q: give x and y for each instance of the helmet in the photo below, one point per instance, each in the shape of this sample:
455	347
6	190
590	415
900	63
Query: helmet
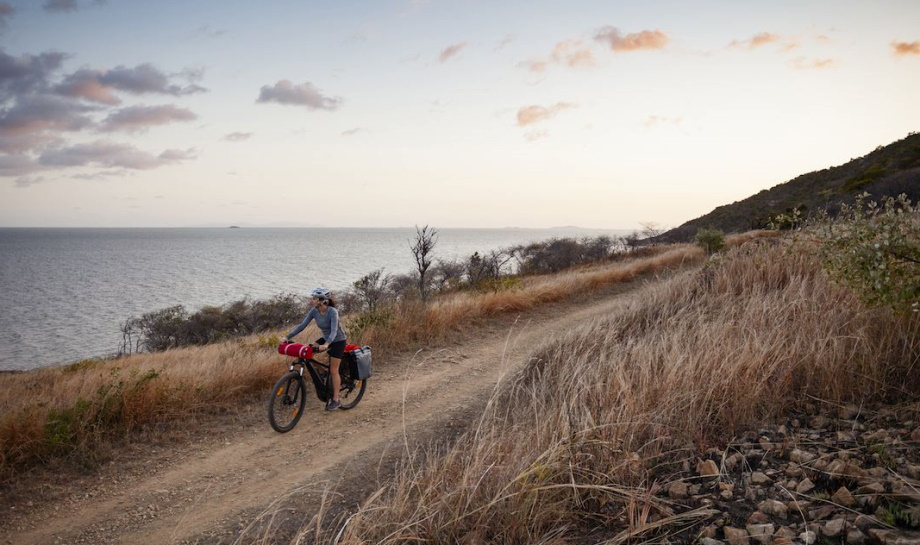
320	293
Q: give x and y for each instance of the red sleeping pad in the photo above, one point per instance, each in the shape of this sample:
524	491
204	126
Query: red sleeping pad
296	350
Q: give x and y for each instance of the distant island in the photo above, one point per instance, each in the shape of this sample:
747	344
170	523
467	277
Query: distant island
234	227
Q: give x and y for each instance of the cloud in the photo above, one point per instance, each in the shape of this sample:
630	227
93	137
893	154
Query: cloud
237	136
451	51
60	5
529	115
26	181
801	63
533	136
98	85
535	66
903	49
27	73
111	155
352	132
6	11
138	118
647	39
305	94
758	40
655	120
145	78
17	165
572	53
43	112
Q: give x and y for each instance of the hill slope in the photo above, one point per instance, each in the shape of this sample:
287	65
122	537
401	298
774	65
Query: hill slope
889	170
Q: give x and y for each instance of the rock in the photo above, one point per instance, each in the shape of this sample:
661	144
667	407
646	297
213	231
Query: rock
823	512
774	508
805	486
800	456
710	531
864	522
761	533
707	468
757	517
710	541
849	412
843	497
808	538
782	540
785	531
820	422
895	537
836	468
759	478
726	495
834	527
678	490
732	461
855	537
736	536
871	489
915	435
794	471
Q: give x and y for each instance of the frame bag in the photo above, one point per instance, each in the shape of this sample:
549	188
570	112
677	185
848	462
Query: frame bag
359	362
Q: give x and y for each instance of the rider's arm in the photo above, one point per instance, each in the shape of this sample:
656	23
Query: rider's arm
333	324
306	321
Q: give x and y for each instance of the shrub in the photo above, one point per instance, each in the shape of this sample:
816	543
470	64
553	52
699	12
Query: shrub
875	250
710	240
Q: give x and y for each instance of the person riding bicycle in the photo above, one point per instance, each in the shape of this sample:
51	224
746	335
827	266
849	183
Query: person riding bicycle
333	341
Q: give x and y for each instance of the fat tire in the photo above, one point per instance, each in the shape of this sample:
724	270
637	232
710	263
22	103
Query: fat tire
286	402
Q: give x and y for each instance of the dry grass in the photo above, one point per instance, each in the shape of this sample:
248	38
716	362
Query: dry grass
76	412
587	428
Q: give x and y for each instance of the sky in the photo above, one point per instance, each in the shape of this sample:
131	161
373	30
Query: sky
600	114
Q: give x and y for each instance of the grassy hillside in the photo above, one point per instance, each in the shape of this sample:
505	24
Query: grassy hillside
887	171
574	443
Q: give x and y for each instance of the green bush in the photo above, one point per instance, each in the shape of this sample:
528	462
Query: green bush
710	240
875	249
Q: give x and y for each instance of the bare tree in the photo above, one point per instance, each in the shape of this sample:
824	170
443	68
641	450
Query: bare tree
371	288
422	246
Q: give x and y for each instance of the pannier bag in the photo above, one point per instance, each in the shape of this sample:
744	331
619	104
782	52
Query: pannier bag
296	350
359	362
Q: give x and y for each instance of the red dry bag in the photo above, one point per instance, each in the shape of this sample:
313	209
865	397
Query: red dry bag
296	350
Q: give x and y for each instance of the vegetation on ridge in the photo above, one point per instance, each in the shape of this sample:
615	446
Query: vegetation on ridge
888	171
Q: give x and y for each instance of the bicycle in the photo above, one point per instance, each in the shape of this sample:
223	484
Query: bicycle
289	396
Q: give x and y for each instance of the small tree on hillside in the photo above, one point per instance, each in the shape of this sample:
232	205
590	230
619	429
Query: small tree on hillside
422	247
710	240
371	288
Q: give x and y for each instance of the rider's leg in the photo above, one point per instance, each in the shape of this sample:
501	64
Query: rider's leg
336	379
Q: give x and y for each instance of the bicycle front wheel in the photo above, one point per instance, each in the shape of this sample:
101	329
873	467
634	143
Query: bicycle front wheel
285	405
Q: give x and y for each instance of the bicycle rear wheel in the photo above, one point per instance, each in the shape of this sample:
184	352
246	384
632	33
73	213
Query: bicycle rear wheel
351	391
286	402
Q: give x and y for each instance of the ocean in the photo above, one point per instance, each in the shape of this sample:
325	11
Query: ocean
65	292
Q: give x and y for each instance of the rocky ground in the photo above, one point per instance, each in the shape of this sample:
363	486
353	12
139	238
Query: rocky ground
848	476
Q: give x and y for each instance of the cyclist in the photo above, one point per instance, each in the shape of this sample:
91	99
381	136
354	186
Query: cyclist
333	340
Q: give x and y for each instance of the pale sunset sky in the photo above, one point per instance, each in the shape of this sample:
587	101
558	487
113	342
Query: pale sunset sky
599	114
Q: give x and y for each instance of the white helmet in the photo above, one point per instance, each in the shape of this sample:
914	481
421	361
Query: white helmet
320	293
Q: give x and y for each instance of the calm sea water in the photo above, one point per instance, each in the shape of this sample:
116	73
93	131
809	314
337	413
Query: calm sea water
65	292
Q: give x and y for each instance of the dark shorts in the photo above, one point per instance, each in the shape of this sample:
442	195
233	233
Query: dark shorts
336	349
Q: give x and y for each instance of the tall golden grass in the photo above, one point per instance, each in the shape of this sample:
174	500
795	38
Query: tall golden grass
76	412
598	417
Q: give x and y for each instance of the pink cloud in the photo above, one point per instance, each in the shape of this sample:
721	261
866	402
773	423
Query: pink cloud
903	49
572	53
801	63
647	39
138	118
529	115
451	51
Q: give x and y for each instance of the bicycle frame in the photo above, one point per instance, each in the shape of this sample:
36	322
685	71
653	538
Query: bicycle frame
317	379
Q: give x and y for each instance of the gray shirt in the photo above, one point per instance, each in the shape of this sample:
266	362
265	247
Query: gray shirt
328	323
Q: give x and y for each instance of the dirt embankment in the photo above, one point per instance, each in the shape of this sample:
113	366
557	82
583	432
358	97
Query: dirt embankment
233	481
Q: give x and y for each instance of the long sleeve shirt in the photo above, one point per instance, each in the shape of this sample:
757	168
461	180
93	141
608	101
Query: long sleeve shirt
327	322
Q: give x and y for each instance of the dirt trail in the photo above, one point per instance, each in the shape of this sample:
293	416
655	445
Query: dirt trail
236	480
